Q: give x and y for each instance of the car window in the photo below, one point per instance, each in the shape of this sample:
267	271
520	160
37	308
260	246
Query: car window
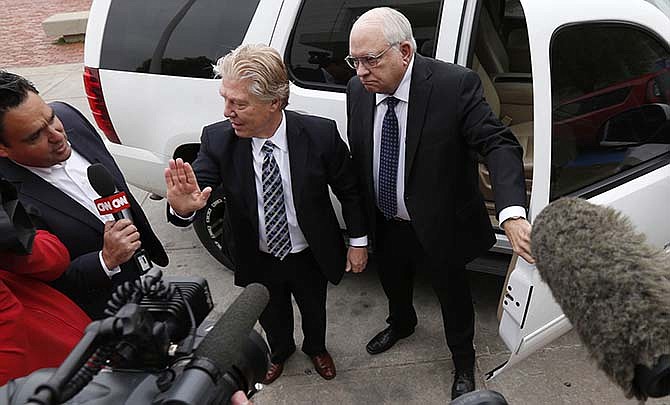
610	96
502	38
173	37
320	39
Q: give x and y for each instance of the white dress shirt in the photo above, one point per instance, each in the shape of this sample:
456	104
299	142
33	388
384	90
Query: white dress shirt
71	177
402	94
401	109
281	155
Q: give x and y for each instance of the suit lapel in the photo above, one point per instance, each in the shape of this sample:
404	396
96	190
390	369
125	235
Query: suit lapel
419	94
242	155
367	105
91	152
298	147
40	190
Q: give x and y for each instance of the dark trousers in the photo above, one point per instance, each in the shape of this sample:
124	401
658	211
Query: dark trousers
298	275
399	255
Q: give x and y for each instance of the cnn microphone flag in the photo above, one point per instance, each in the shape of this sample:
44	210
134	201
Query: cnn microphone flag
112	204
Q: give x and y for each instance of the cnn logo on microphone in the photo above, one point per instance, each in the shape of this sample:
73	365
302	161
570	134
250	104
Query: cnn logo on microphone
112	204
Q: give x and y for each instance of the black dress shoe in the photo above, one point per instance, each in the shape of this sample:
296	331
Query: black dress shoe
384	340
464	382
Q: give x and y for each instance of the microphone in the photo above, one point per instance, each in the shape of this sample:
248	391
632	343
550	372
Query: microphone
228	358
115	203
613	287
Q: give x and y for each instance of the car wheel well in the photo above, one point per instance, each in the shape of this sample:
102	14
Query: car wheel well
188	152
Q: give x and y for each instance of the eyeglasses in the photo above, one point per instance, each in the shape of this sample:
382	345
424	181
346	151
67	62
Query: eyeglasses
369	61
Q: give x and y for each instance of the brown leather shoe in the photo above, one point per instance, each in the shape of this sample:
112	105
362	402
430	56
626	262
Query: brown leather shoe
274	371
324	365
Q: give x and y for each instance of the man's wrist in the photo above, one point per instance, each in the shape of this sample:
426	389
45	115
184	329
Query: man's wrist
360	242
106	268
186	217
514	211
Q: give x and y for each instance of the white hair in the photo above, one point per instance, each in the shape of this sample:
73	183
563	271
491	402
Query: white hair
262	65
395	26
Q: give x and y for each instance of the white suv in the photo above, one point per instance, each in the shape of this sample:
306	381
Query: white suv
583	84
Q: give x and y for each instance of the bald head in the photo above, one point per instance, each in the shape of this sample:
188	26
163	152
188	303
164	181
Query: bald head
381	46
392	24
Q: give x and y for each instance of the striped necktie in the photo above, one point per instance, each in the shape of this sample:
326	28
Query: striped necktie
276	224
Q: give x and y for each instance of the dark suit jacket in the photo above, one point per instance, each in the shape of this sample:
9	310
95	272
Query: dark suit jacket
448	122
318	158
85	282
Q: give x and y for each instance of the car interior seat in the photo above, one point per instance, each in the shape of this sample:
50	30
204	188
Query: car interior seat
523	132
490	48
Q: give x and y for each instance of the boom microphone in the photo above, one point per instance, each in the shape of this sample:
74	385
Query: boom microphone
613	287
115	203
227	358
234	326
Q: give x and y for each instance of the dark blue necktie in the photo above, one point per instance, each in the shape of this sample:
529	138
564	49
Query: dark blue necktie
276	224
388	161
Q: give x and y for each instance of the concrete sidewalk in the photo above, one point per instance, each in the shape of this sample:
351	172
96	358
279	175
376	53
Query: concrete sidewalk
418	369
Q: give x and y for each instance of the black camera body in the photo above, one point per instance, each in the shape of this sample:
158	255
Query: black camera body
137	386
150	350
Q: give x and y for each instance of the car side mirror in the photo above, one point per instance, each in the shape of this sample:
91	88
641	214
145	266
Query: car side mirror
649	123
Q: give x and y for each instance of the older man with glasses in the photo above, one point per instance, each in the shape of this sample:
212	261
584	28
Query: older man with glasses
415	126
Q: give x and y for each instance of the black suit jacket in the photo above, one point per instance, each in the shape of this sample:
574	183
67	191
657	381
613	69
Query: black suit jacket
85	282
448	123
318	158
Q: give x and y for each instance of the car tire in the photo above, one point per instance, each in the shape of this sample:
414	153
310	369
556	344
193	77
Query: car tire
210	227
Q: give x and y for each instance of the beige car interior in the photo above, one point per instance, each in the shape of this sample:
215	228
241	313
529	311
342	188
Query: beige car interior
512	101
510	96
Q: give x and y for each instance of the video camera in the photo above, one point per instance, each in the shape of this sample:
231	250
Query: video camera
131	357
153	347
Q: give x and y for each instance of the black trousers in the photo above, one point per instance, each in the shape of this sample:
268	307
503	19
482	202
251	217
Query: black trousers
399	255
298	275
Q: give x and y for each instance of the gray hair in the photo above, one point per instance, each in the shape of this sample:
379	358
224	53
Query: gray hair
262	65
395	26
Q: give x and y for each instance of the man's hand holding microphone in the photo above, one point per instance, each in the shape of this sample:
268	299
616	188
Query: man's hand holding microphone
121	241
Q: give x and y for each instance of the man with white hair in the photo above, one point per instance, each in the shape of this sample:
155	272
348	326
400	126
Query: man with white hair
415	127
274	167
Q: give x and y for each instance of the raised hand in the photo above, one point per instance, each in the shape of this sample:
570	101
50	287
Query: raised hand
183	193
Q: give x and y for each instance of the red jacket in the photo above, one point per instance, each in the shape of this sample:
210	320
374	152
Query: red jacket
39	326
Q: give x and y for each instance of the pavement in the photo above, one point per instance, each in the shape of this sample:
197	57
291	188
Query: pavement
22	39
418	370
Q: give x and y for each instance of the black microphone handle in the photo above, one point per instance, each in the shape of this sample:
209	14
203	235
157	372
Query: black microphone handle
140	257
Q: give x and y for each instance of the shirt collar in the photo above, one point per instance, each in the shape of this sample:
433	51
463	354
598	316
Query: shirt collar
402	92
278	138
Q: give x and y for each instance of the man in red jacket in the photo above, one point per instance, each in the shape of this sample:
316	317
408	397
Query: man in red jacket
39	326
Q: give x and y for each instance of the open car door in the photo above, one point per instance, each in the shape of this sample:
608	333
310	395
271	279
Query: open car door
601	124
